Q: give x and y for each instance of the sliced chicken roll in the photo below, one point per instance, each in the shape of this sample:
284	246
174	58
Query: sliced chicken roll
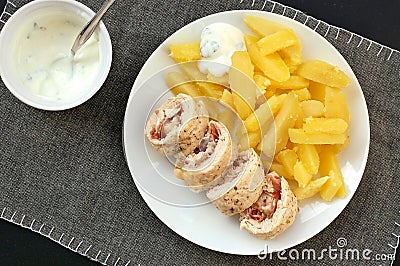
273	212
240	185
177	125
208	161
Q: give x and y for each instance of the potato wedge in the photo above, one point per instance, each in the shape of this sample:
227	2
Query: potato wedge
298	135
293	83
210	89
330	165
308	155
191	71
263	27
324	73
178	83
317	91
241	82
271	65
185	52
281	170
336	104
303	94
324	125
301	175
223	80
312	108
276	41
292	56
276	138
288	159
311	189
264	113
242	106
227	98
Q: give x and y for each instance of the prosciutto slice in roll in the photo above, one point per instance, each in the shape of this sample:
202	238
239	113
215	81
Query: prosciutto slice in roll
240	185
273	212
208	161
177	125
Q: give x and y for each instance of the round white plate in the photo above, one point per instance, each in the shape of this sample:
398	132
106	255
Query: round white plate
203	224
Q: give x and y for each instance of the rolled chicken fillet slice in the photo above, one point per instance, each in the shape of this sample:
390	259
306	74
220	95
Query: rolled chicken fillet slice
177	125
240	185
273	212
208	161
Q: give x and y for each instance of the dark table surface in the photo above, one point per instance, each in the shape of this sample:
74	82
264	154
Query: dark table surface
377	20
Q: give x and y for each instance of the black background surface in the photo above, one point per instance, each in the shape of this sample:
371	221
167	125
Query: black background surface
376	20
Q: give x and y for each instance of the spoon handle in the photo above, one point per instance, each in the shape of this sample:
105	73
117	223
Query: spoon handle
90	27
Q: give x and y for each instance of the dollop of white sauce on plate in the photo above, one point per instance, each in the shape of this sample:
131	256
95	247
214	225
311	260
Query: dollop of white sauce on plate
218	43
44	60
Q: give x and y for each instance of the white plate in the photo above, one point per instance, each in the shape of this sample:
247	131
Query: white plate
203	224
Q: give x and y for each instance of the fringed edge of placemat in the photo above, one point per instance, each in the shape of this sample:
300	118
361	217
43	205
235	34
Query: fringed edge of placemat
83	247
324	29
80	246
7	12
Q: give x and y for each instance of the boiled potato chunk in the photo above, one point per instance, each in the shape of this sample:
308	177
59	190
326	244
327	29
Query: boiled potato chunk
249	140
276	41
262	82
242	107
223	80
210	89
311	189
329	165
324	73
288	159
312	108
281	170
258	118
185	52
298	135
301	175
254	139
276	102
191	70
178	83
303	94
241	82
227	98
286	118
263	27
292	56
264	113
241	61
271	65
336	104
317	91
308	155
325	125
293	83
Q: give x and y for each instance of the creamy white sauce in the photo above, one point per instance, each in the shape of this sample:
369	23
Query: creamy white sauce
218	43
43	57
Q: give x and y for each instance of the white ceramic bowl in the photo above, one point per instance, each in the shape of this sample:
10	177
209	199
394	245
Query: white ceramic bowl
13	80
203	224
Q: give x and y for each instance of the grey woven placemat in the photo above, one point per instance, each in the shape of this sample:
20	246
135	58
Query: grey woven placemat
63	174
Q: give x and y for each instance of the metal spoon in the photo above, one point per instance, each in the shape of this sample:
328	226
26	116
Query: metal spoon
90	27
62	68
